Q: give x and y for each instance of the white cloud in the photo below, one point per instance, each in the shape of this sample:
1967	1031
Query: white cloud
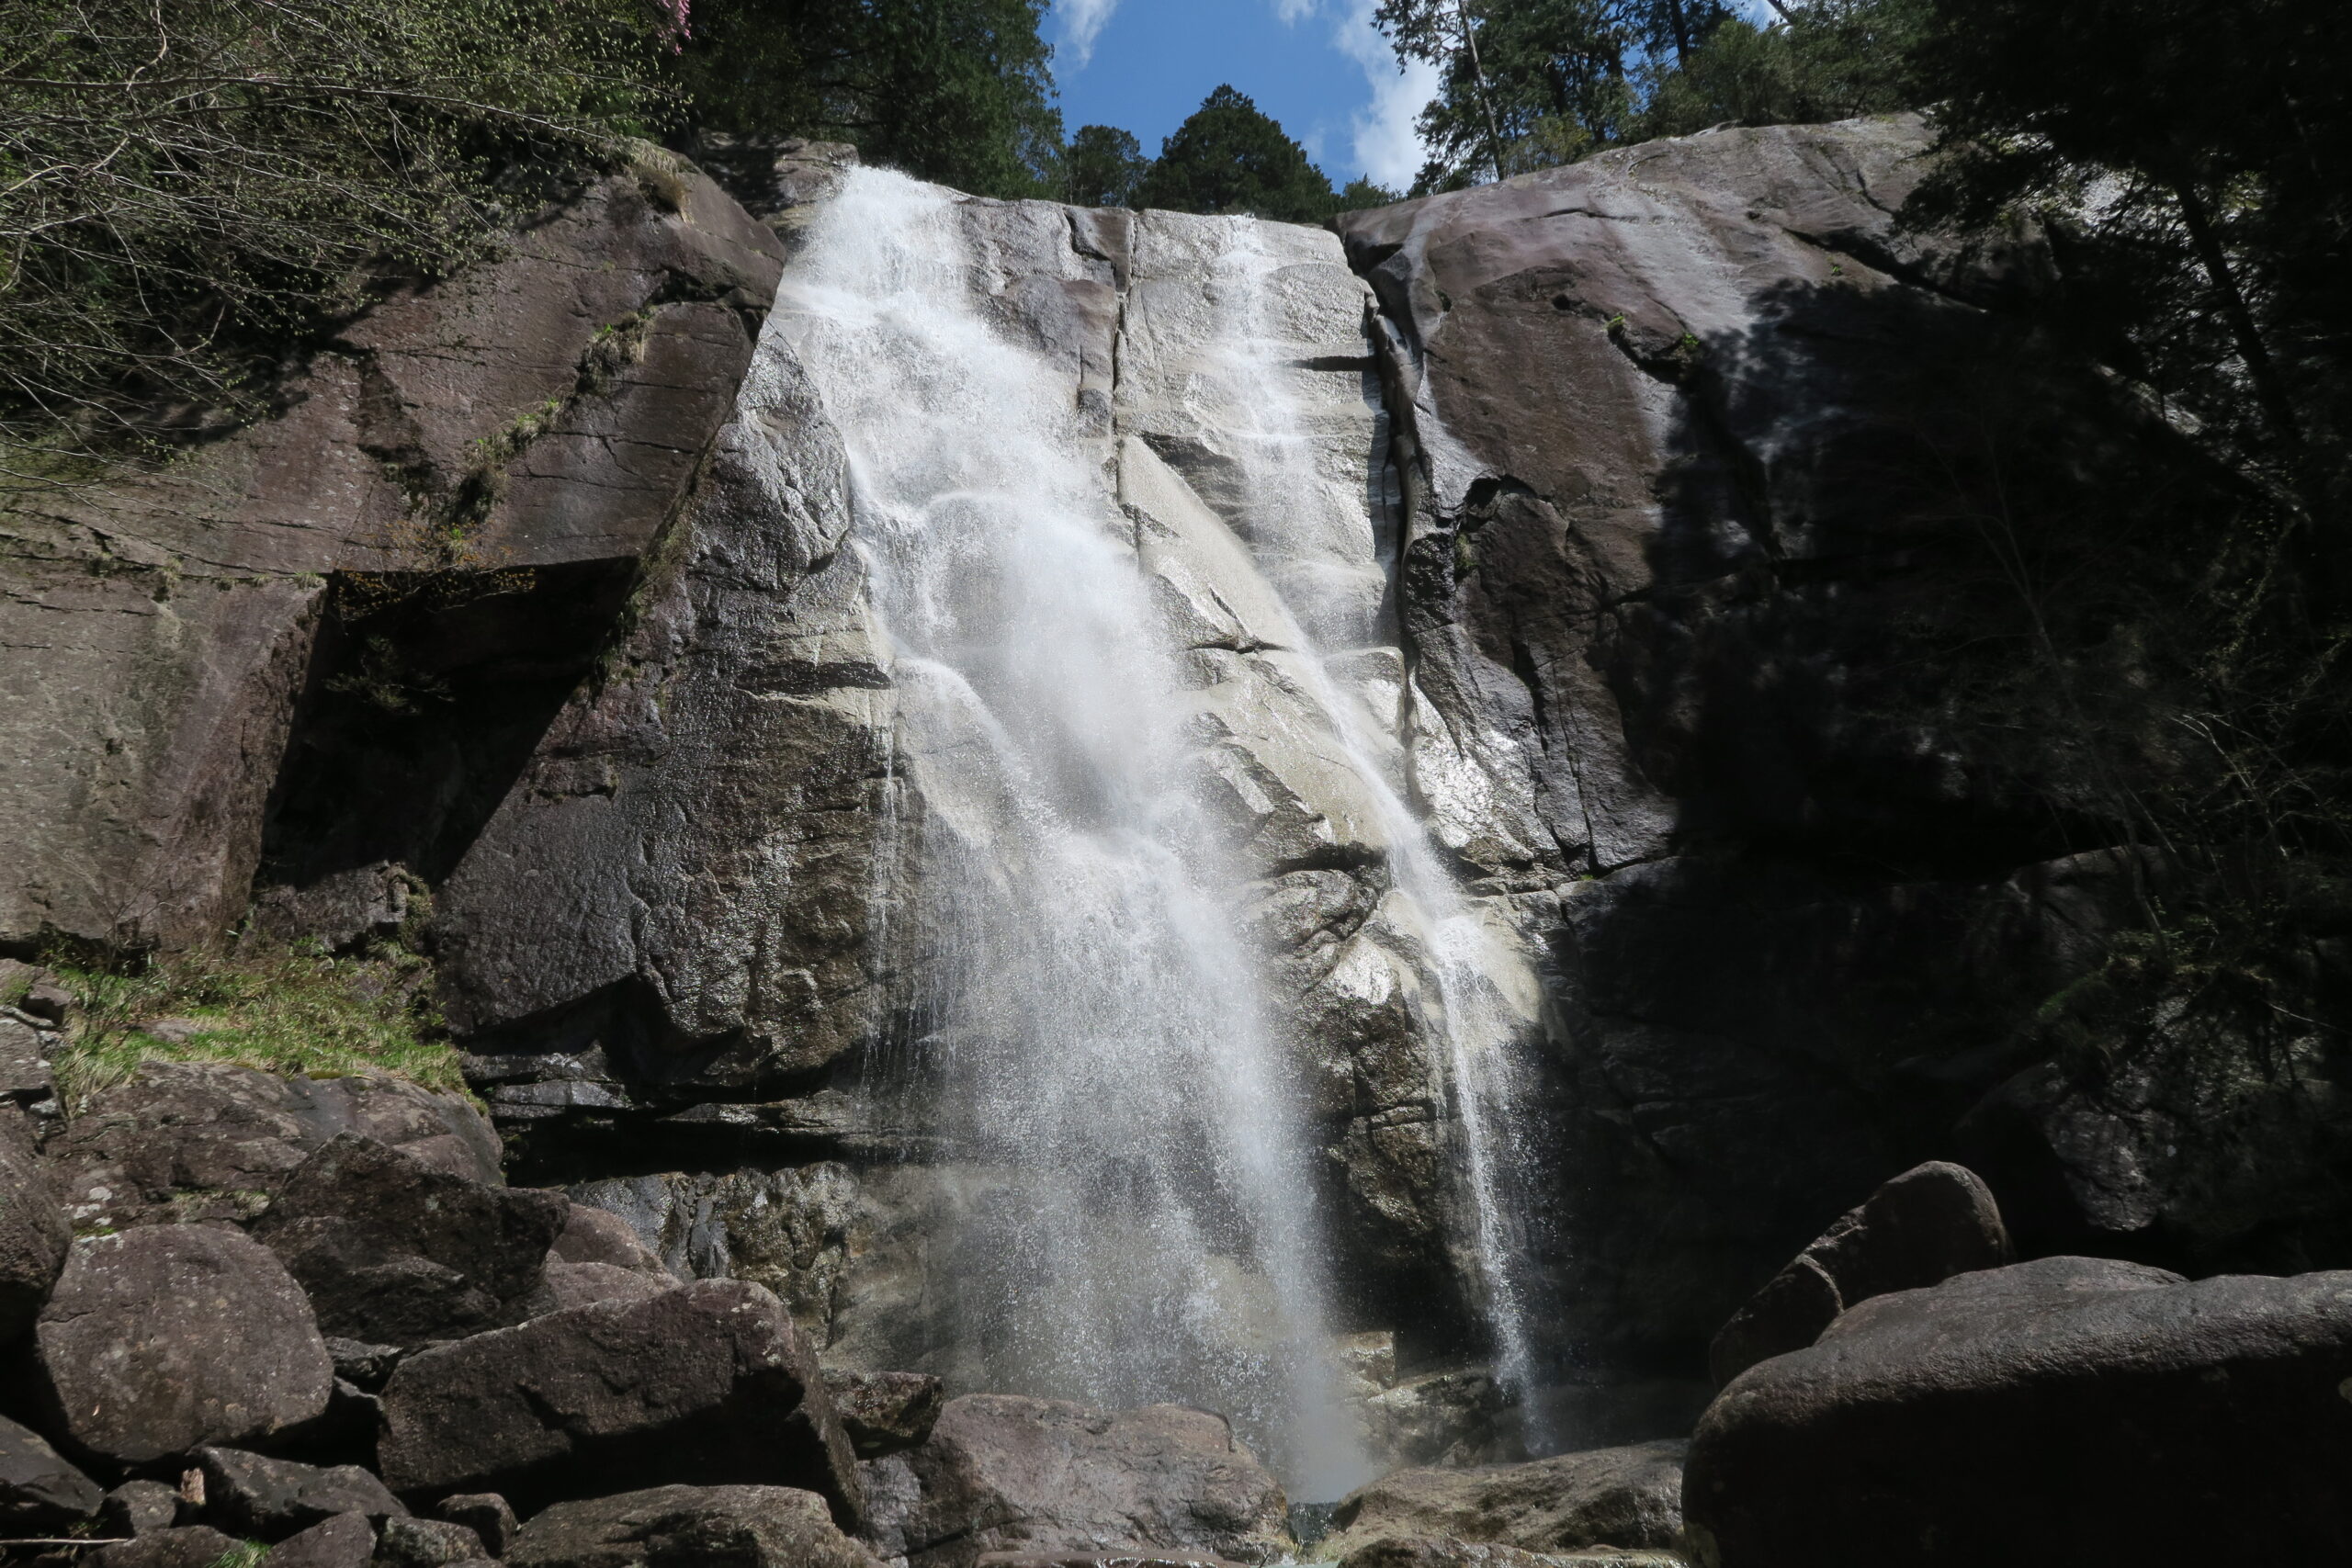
1293	11
1387	145
1083	22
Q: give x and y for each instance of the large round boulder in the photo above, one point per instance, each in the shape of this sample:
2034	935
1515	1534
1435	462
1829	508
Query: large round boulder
2067	1411
160	1340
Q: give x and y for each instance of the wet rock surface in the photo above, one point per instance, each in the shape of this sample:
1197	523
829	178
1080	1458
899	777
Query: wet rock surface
886	1412
1617	1497
160	1340
2044	1413
708	1383
1004	1473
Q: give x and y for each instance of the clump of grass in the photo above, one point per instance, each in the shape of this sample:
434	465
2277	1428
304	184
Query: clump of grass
281	1009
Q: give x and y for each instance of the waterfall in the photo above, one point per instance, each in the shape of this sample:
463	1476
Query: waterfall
1141	1226
1485	989
1105	1097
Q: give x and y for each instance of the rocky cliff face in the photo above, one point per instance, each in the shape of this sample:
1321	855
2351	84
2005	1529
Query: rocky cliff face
1652	522
1781	549
405	573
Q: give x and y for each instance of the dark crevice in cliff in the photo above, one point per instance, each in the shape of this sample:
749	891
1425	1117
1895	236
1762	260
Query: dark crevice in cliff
426	695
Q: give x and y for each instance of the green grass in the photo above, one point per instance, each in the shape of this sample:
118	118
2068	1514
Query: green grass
282	1011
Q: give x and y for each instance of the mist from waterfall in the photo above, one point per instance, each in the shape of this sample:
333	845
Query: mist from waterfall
1136	1225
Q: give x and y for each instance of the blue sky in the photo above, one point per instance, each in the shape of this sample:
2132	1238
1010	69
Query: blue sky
1316	66
1319	66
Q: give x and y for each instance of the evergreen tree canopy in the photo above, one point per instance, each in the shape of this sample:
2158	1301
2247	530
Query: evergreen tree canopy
2203	149
1103	167
1531	84
1229	157
957	91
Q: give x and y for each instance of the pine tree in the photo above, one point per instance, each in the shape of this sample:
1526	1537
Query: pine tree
1229	157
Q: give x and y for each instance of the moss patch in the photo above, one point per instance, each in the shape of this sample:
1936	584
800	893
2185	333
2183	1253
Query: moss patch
282	1011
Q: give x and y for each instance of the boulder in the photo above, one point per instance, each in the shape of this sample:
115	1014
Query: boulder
34	1232
597	1235
708	1382
39	1492
189	1546
346	1540
26	1046
1003	1474
392	1249
204	1141
1615	1497
581	1284
274	1498
426	1543
886	1412
139	1507
485	1513
2064	1411
160	1340
1920	1228
685	1526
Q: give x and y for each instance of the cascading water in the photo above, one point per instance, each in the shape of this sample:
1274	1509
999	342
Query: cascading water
1483	982
1104	1096
1088	1022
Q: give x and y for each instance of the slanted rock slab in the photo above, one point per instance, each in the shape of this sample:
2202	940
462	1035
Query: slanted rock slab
710	1382
274	1498
206	1141
2066	1411
392	1249
1625	1497
346	1540
39	1492
190	1546
159	1341
678	1527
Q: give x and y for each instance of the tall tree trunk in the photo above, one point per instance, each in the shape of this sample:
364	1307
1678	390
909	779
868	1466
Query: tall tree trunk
2269	390
1681	25
1486	98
